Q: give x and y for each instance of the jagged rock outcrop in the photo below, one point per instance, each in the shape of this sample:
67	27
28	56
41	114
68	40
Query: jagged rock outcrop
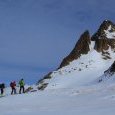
100	34
112	69
41	83
108	74
105	36
81	47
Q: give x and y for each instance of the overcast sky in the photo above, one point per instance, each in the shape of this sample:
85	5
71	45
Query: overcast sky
35	35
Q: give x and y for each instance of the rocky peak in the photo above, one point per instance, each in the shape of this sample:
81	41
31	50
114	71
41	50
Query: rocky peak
105	36
112	69
81	47
104	39
105	31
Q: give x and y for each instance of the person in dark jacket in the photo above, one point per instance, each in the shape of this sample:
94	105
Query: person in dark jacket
21	84
2	86
13	87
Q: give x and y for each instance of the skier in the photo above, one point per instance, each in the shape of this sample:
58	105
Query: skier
21	83
13	87
2	86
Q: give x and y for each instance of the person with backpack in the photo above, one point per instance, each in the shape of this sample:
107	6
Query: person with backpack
13	87
2	86
21	84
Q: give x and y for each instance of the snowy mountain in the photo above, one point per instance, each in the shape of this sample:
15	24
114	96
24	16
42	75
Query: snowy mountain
84	83
91	56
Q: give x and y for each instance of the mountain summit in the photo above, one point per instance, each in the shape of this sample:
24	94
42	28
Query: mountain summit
103	39
105	31
105	36
91	56
81	47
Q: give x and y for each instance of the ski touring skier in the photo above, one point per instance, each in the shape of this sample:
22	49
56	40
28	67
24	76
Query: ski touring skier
21	84
13	87
2	86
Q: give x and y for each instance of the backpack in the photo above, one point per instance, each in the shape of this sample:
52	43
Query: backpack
2	85
12	84
21	83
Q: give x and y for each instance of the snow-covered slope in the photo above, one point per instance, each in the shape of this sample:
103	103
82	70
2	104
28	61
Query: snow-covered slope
88	100
81	71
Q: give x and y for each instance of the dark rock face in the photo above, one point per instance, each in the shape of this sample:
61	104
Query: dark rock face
101	41
104	44
108	73
82	47
112	69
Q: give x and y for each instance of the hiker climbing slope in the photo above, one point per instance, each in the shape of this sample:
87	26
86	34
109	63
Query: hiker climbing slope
21	84
2	86
13	87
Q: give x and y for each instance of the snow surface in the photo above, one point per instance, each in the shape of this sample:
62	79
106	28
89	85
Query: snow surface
73	90
89	100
